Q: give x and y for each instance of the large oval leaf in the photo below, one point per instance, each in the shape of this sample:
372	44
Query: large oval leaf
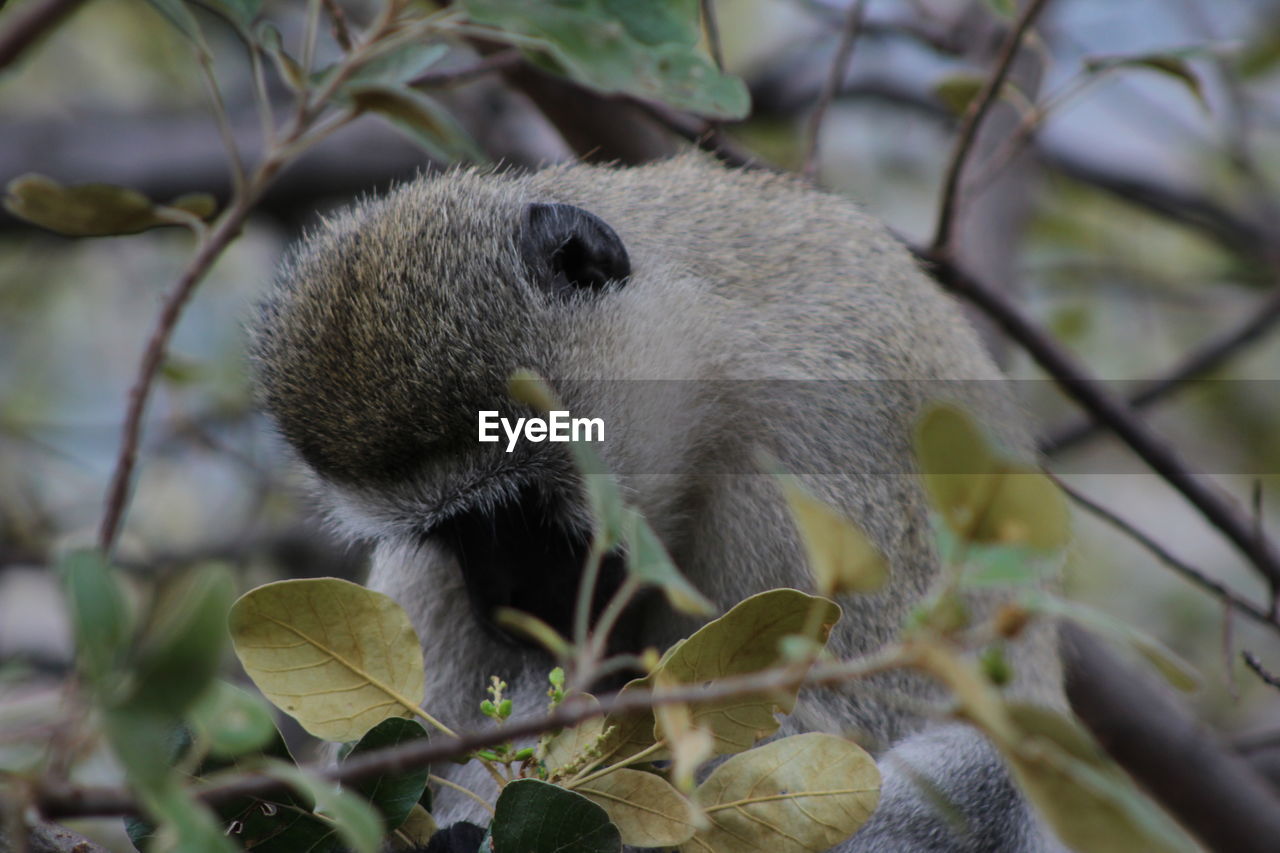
646	809
393	794
746	640
801	794
335	656
537	817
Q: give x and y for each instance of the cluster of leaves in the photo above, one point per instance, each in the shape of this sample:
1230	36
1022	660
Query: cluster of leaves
345	662
648	50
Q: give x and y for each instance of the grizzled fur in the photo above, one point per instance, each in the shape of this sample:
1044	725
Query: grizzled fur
396	321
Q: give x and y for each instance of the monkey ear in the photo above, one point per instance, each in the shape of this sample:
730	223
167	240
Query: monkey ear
567	249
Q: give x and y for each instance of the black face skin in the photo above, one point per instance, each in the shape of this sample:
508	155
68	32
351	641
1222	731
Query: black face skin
520	554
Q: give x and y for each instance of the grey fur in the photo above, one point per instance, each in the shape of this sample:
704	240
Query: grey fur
392	324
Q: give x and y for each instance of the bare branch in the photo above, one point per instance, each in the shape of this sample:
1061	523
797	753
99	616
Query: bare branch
972	120
1254	663
1075	379
839	66
28	23
1191	573
1211	790
1200	362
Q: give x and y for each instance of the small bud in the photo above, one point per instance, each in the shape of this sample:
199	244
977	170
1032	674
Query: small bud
504	709
488	708
524	754
996	666
557	678
1010	619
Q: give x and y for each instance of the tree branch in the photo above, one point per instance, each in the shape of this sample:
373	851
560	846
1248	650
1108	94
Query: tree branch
1205	359
1075	379
1211	790
839	66
1191	573
972	120
28	23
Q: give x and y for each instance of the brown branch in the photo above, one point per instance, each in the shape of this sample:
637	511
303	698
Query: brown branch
28	23
338	22
56	799
1191	573
1254	663
211	247
977	110
1075	379
1211	790
1205	359
839	67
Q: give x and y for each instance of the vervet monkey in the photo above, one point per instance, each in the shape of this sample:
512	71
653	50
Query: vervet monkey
724	312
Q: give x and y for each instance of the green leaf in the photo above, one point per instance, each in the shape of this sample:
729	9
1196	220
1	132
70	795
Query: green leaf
356	822
747	639
537	817
645	49
180	649
92	210
242	13
1172	64
335	656
184	823
233	721
799	794
645	808
419	117
841	556
99	613
957	91
984	497
395	67
1087	799
648	561
286	66
393	794
177	13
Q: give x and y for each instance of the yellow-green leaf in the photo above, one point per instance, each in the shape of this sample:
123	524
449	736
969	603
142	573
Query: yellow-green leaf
840	555
416	831
1088	800
335	656
985	498
568	747
89	210
800	794
646	809
746	640
957	91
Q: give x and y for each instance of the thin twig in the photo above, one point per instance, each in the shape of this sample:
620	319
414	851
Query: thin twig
338	22
1074	378
1251	660
1191	573
839	66
55	798
28	23
972	120
210	248
1202	361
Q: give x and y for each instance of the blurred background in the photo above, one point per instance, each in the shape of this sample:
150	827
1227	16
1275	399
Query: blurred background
1126	193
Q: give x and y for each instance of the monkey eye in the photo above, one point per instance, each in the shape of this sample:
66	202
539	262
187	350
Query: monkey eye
567	248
